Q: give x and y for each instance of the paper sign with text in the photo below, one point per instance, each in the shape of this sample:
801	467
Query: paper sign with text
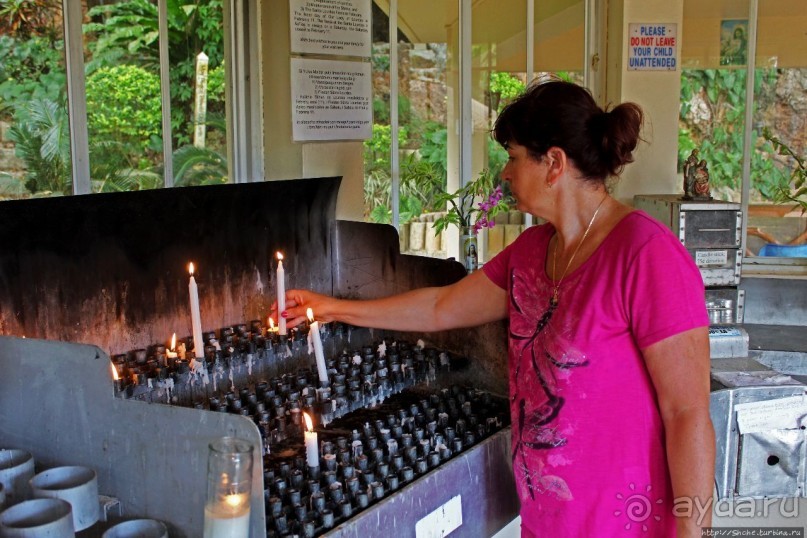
341	27
652	47
331	100
779	414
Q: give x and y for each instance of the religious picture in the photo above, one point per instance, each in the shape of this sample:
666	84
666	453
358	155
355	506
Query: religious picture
733	42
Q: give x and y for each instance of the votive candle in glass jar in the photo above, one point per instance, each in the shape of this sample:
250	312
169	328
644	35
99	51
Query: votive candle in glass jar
229	487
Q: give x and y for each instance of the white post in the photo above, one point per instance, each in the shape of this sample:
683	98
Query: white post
200	101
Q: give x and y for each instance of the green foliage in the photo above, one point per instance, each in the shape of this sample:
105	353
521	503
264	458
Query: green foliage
11	187
377	147
796	191
380	60
127	32
123	104
504	87
40	135
215	84
199	166
433	149
420	181
31	69
712	116
26	18
497	157
381	109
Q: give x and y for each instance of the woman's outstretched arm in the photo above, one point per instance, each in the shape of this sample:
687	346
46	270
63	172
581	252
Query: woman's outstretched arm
472	301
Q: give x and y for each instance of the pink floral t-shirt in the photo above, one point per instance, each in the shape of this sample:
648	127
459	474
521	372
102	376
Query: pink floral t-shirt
588	441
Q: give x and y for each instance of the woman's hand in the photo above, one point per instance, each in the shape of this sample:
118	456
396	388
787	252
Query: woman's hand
299	301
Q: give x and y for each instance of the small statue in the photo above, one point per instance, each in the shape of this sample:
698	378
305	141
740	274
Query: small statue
696	178
702	190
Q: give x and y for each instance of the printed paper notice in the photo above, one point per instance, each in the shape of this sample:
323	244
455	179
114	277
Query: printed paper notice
331	100
652	47
331	27
779	414
705	258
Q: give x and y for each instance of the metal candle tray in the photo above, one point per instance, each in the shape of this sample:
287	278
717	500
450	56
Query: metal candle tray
150	454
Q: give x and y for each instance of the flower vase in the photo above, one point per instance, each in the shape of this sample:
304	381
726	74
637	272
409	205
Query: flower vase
469	249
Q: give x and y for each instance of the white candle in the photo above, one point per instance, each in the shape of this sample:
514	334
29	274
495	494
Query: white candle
311	448
318	353
281	295
228	518
196	316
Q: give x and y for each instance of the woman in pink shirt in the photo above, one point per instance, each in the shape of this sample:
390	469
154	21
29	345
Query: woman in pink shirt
608	341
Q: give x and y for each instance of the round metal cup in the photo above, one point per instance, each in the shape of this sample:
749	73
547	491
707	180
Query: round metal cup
138	528
38	518
76	485
16	470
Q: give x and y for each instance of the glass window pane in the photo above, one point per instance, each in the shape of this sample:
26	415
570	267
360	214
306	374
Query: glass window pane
34	133
124	101
499	74
713	77
197	77
714	53
427	41
780	126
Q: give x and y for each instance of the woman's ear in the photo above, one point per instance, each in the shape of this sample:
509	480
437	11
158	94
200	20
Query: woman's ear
557	163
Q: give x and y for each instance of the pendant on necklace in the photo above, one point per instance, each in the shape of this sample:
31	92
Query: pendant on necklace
553	301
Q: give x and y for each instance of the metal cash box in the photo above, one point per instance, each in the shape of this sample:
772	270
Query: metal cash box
710	231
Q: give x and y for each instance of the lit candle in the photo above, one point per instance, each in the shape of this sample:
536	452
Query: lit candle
228	518
272	328
196	316
171	354
311	448
116	380
281	295
229	486
313	333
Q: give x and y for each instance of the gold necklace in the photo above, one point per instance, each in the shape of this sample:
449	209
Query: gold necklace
553	301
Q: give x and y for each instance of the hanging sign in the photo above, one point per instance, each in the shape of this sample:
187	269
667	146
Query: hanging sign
652	47
340	27
331	100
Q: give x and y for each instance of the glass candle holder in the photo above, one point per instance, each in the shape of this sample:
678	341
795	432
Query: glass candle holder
229	487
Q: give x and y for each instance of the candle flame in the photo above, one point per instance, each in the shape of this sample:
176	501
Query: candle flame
310	314
271	323
309	426
114	372
190	268
174	342
234	500
279	256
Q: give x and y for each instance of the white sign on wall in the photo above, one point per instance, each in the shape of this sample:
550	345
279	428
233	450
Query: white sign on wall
331	27
652	47
331	100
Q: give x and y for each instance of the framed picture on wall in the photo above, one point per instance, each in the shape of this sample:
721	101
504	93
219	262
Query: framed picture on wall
733	41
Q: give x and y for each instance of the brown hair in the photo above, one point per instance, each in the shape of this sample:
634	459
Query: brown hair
565	115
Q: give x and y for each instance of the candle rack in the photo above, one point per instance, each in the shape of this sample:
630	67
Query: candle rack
387	415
